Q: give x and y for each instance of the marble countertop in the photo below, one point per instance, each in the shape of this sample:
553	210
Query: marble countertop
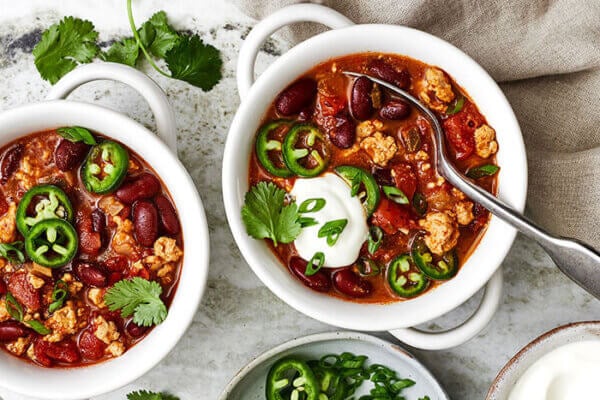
239	317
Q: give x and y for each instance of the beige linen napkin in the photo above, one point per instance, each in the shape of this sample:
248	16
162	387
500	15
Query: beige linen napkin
546	56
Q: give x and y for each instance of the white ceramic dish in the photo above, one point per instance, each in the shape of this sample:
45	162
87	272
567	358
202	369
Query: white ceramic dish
345	39
528	355
249	382
84	382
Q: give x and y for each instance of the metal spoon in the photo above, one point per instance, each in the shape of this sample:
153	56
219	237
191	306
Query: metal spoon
577	260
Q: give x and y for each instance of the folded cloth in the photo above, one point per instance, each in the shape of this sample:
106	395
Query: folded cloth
546	56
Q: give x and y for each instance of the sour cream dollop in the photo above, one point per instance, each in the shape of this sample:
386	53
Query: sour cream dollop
339	204
566	373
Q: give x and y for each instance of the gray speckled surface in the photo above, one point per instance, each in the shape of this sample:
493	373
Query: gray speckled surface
239	318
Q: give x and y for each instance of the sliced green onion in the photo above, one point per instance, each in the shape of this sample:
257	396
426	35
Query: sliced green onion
311	205
395	194
38	327
332	230
307	221
12	252
315	264
419	203
13	307
59	295
483	170
374	239
456	106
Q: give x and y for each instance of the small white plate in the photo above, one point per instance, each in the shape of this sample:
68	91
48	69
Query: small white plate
512	371
249	383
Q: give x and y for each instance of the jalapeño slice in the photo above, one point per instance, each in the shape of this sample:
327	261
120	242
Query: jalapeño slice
357	177
405	279
442	269
312	157
47	201
265	147
291	378
105	167
51	243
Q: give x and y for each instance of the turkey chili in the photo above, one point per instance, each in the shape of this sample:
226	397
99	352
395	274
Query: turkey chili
90	248
344	186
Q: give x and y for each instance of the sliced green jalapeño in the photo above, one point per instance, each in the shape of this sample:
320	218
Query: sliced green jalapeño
52	243
266	146
46	201
358	178
105	167
405	279
312	157
290	378
443	269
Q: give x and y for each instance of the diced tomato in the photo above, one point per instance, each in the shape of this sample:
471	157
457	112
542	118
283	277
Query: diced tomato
391	217
460	128
114	277
90	346
65	351
23	291
331	105
405	179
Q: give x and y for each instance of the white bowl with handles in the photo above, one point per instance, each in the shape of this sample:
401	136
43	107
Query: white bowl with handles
84	382
346	38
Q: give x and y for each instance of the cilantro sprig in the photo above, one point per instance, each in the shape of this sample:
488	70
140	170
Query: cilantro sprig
139	297
266	216
73	41
148	395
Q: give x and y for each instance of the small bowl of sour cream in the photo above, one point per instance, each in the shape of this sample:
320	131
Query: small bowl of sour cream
562	364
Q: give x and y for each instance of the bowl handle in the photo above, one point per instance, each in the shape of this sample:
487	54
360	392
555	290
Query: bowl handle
150	91
462	333
279	19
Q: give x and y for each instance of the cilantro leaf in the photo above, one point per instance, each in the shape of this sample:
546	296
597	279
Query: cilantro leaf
193	61
265	215
123	52
148	395
63	46
139	297
165	37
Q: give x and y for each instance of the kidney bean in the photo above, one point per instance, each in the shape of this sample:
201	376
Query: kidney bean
306	114
384	71
98	220
24	292
10	161
351	284
65	351
69	155
134	330
296	96
361	103
3	289
344	133
90	241
383	176
167	215
145	222
395	110
319	281
90	346
116	264
143	186
40	347
90	274
12	330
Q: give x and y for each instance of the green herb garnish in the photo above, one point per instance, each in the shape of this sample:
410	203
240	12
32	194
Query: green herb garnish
315	264
483	170
139	297
332	230
63	46
147	395
13	252
77	134
266	216
395	194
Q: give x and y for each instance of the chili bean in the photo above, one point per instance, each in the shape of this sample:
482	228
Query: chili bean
12	330
144	186
306	114
319	281
395	110
63	352
134	330
40	347
384	71
344	133
167	215
145	222
23	291
10	161
116	264
69	155
98	220
90	346
351	284
90	274
383	176
90	241
361	103
296	96
3	289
